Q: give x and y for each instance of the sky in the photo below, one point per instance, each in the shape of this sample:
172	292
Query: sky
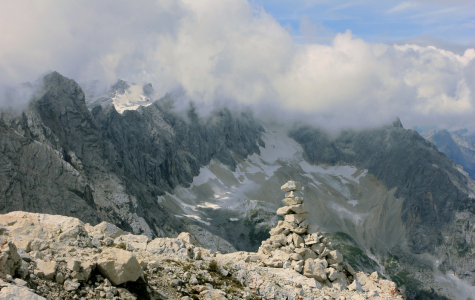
336	64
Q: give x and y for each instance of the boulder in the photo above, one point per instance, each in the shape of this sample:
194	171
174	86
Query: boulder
296	218
298	240
213	295
293	201
281	255
332	274
22	271
291	186
23	243
323	262
46	269
355	286
188	238
300	230
119	266
296	256
314	270
73	233
3	230
348	268
71	285
335	257
10	260
10	292
73	264
318	248
107	230
341	282
280	238
133	241
276	230
298	209
306	253
273	262
284	210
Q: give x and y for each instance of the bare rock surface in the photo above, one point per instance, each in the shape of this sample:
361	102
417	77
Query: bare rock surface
73	260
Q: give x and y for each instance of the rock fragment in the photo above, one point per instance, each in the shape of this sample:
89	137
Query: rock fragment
119	266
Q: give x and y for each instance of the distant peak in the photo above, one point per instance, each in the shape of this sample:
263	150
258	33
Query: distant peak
397	123
54	77
120	86
54	80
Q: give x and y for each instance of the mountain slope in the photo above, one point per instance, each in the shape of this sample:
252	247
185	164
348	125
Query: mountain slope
455	145
399	205
113	170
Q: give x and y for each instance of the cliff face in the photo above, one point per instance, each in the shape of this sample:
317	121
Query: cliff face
60	158
432	186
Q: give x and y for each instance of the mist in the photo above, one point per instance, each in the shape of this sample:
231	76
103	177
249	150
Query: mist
236	54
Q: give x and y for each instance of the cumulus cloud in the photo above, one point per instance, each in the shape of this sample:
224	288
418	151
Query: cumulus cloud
229	51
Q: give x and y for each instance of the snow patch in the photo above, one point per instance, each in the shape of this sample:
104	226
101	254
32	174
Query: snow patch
197	219
353	202
132	99
209	205
204	177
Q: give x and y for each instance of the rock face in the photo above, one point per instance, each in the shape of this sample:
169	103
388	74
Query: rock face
71	265
302	247
393	155
60	158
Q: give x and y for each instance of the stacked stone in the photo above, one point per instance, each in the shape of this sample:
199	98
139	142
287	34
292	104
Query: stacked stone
296	244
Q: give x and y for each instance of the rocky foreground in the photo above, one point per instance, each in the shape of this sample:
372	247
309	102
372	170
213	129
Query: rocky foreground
56	257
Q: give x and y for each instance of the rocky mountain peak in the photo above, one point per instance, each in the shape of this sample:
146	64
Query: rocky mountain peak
63	88
120	87
397	123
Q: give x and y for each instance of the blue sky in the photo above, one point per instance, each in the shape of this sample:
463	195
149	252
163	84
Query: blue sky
446	24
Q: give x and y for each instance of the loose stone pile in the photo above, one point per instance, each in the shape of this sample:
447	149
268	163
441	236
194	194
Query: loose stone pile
296	244
56	257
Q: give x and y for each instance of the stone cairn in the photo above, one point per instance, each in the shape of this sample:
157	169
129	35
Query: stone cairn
296	244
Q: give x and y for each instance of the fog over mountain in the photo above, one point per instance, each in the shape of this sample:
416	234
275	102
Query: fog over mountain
172	116
234	51
387	197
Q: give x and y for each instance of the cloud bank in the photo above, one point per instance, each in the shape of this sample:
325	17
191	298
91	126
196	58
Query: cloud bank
229	50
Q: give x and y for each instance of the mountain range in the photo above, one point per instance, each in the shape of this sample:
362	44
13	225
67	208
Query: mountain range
387	196
458	146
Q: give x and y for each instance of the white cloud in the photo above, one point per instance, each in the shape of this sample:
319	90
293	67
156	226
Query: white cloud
402	7
226	51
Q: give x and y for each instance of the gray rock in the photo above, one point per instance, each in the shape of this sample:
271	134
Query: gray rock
314	270
71	285
355	286
11	291
59	278
46	269
10	260
119	266
296	218
291	186
292	201
22	271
